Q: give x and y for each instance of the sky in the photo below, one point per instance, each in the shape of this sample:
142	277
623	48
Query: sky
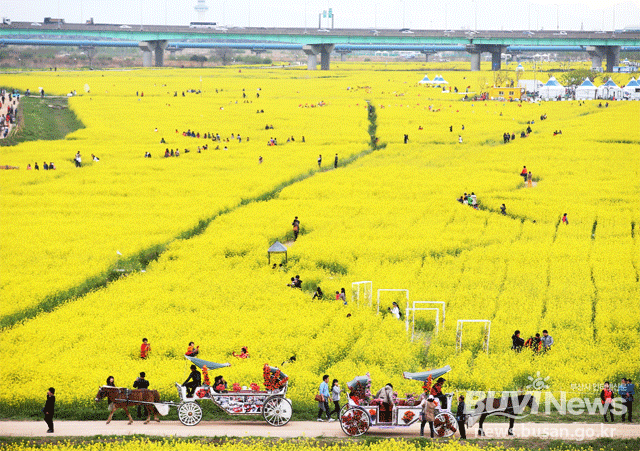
382	14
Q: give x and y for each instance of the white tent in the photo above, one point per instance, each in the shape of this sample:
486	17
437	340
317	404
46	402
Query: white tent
425	80
552	89
609	90
440	80
520	68
530	85
632	90
587	90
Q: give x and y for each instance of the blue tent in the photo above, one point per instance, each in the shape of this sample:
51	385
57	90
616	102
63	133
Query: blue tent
425	80
425	375
210	365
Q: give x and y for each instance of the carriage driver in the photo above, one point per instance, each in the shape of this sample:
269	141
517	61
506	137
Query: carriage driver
436	392
194	377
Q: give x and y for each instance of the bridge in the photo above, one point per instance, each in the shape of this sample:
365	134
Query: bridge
155	39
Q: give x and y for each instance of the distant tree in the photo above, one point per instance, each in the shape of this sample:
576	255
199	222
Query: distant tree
576	77
199	58
224	55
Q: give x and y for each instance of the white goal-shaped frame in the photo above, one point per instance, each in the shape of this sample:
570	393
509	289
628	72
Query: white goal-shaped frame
437	303
487	332
367	291
406	292
413	318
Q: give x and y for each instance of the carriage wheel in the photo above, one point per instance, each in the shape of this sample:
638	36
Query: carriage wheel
277	411
355	421
190	413
445	424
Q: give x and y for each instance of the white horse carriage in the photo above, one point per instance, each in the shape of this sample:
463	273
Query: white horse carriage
271	403
362	413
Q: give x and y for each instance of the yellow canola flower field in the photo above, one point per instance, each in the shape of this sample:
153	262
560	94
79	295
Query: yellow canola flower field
390	217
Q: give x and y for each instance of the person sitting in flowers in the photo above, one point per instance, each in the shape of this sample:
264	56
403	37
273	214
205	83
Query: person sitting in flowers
244	354
192	350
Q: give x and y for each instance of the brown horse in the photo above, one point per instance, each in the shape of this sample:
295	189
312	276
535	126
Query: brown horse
122	398
500	406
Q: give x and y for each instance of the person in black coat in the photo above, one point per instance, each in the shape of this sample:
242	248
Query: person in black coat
143	384
194	377
49	408
460	417
518	342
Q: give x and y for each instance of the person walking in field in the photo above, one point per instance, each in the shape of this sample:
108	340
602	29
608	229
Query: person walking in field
296	228
335	162
319	161
49	409
546	340
565	220
524	173
335	397
78	160
606	397
145	347
323	398
141	384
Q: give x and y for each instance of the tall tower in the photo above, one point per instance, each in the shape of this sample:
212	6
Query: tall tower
201	9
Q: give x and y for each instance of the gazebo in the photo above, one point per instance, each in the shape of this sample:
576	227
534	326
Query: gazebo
277	248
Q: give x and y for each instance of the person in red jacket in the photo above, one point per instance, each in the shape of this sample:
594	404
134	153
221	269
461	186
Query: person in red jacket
606	396
436	392
145	347
524	173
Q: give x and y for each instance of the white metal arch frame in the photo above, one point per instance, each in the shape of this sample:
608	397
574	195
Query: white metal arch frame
487	332
413	319
440	303
406	292
367	291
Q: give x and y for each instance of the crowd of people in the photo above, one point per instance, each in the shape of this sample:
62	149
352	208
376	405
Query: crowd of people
469	199
536	342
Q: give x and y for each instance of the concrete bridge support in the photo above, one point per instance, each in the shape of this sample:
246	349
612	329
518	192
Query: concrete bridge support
312	52
426	54
600	52
343	54
476	51
156	47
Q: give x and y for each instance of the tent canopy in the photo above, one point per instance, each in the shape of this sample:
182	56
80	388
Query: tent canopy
277	248
425	80
633	83
588	83
210	365
425	374
552	82
610	83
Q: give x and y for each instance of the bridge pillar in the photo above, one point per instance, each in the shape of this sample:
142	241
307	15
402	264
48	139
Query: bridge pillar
426	54
596	54
312	56
312	51
613	57
343	54
156	47
476	51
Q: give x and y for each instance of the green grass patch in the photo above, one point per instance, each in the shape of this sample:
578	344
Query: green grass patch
46	119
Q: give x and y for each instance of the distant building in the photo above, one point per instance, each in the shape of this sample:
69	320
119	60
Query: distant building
201	9
501	93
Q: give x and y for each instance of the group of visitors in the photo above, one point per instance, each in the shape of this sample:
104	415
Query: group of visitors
340	295
295	282
536	343
469	199
45	166
626	391
324	394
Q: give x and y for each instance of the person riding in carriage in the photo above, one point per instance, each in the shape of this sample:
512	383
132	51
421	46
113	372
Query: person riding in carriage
436	392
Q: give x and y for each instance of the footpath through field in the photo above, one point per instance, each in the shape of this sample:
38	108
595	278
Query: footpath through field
564	431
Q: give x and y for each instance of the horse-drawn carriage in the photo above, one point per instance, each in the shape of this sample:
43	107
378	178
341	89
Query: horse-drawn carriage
271	403
362	413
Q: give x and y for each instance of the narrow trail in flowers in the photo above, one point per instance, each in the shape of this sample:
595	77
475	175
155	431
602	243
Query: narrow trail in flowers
565	431
143	258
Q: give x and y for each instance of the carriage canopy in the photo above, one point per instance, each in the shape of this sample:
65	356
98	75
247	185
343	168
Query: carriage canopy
425	374
359	382
210	365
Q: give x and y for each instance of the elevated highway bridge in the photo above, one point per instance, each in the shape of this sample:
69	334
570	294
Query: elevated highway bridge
155	39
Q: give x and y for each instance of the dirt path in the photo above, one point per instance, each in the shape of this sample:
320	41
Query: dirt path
562	431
